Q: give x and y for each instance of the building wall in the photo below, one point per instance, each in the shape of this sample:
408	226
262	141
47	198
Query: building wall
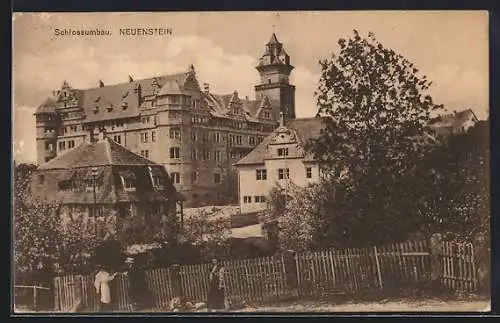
165	114
250	186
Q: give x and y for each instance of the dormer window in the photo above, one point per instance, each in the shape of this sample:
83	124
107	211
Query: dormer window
96	109
97	99
124	105
128	180
110	108
156	178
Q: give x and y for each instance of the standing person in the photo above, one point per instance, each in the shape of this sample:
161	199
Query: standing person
138	289
216	288
101	284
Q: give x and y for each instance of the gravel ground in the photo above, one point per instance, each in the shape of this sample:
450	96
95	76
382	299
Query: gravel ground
389	306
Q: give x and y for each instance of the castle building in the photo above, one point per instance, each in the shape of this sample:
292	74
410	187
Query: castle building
170	119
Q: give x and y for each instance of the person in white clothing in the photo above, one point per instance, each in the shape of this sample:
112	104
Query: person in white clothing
101	284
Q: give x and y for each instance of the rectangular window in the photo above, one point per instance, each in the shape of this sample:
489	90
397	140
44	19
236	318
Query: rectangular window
247	199
144	137
206	154
216	137
261	174
41	179
194	177
62	145
117	139
194	154
238	140
71	144
176	177
260	199
233	154
194	136
216	178
153	136
308	172
282	152
175	133
175	152
217	155
283	173
251	141
205	136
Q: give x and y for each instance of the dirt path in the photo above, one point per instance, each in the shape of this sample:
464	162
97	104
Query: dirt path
389	306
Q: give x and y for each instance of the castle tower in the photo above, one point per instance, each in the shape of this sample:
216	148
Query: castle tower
274	69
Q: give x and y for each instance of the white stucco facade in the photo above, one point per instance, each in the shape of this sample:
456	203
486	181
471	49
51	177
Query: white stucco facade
279	160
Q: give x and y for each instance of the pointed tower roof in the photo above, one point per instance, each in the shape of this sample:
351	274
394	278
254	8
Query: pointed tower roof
273	40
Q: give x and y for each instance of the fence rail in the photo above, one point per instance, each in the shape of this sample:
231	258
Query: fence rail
305	274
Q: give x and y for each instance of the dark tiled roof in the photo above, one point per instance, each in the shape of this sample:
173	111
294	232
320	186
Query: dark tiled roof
110	100
305	129
105	152
48	106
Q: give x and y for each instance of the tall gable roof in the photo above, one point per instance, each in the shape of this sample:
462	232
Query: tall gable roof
102	153
305	129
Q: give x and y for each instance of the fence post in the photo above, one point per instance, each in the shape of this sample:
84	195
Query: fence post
175	278
436	251
34	298
379	272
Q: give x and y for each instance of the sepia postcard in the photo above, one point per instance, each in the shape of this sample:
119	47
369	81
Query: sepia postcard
251	162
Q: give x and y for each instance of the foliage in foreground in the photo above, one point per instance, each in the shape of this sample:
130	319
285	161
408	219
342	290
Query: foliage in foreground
385	177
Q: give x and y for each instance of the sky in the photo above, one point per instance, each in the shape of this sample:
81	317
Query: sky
450	47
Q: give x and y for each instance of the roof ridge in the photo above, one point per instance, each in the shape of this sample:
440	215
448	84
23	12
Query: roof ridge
127	82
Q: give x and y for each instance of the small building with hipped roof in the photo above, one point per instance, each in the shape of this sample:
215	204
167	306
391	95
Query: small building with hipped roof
100	179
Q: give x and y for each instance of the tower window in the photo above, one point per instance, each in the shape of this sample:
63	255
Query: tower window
268	81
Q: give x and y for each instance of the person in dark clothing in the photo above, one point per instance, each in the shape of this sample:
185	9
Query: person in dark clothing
216	288
138	288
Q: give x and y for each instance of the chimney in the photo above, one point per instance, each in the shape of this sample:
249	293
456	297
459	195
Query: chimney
101	83
130	79
246	98
281	119
206	88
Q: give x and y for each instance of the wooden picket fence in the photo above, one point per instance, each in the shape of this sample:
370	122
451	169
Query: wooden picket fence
459	266
279	277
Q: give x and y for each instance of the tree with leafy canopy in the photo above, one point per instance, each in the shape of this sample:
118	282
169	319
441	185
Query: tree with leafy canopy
40	238
376	107
35	229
